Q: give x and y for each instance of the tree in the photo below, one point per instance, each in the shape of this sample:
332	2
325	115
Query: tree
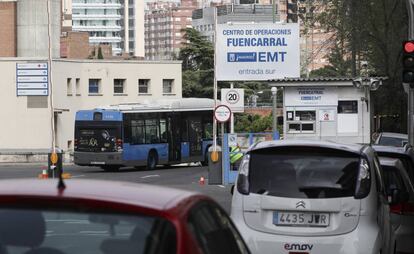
197	55
371	31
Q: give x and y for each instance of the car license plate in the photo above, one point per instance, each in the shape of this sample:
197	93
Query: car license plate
301	219
97	162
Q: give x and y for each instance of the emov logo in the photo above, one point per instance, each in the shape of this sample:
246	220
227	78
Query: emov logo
297	246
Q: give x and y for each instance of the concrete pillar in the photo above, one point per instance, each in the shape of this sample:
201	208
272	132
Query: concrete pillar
32	28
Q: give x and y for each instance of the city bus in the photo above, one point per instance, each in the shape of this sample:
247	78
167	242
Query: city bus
159	132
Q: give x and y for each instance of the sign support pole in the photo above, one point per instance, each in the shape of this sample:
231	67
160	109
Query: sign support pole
410	120
232	114
215	80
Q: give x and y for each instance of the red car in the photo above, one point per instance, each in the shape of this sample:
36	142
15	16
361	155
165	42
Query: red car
111	217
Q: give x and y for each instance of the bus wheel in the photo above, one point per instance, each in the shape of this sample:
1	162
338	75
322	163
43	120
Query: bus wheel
152	160
111	168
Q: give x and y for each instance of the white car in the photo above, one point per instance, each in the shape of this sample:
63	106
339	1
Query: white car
311	197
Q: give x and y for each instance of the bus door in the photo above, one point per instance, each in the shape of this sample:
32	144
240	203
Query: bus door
174	140
195	136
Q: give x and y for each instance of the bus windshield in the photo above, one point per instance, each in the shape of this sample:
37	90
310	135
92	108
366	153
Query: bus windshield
92	138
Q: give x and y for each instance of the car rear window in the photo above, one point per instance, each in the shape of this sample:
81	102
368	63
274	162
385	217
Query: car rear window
303	173
57	232
392	141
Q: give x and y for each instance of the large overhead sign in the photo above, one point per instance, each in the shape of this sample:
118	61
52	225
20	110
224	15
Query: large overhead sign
257	51
32	79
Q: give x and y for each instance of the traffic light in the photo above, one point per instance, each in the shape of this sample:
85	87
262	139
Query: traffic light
292	11
408	62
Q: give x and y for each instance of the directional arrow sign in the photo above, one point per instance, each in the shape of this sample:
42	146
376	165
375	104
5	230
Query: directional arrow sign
31	85
28	79
31	72
31	92
32	66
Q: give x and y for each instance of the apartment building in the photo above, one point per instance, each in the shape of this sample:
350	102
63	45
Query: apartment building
119	23
164	22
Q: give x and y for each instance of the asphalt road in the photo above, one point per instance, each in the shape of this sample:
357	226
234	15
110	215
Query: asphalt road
180	176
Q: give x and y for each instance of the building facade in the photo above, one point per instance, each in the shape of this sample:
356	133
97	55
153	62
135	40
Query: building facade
164	22
76	84
119	23
8	31
203	18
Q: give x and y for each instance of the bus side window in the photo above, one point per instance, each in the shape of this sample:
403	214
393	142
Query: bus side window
163	130
137	132
151	132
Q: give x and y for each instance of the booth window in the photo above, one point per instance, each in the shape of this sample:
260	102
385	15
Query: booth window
347	107
301	121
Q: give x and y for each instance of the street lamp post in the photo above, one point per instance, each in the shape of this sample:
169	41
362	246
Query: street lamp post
274	107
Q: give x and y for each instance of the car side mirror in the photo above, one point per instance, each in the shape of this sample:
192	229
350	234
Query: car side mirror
232	189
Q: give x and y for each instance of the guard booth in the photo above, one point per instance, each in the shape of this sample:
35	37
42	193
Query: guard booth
335	109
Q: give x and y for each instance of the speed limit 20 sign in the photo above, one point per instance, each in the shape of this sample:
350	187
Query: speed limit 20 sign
233	98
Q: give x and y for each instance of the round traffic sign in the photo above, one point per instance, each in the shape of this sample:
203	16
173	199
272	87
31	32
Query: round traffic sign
232	97
222	113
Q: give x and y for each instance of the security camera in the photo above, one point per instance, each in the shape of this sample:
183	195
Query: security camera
375	84
357	83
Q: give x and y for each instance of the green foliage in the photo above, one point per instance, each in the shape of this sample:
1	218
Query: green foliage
197	55
253	123
371	31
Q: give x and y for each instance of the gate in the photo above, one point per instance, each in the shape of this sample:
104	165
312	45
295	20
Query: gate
235	147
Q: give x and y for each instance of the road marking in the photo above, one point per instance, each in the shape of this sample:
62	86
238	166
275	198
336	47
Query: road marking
78	176
93	232
148	176
221	186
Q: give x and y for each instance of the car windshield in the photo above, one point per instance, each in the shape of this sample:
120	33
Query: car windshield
61	232
305	173
392	141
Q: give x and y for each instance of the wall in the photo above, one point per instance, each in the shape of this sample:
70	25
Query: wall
8	31
28	130
32	28
75	45
107	71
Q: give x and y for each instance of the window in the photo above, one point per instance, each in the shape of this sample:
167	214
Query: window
151	132
143	86
167	86
303	173
78	91
347	107
109	232
69	87
301	121
94	86
214	231
119	86
137	132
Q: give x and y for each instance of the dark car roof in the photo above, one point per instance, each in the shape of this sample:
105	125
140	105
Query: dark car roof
390	150
353	148
140	195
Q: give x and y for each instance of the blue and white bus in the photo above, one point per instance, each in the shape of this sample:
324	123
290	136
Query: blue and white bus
161	132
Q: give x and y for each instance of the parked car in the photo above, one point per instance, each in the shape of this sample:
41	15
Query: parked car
397	183
404	154
111	217
391	139
311	197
